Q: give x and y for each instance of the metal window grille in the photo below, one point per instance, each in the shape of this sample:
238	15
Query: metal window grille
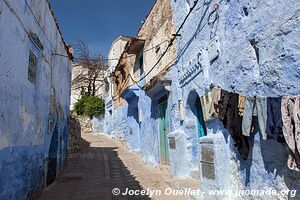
32	67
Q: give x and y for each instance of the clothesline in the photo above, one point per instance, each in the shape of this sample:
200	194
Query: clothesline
278	118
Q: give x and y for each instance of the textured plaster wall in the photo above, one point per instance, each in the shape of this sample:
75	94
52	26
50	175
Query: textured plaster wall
25	108
125	127
149	129
142	135
98	124
157	30
116	50
274	27
122	80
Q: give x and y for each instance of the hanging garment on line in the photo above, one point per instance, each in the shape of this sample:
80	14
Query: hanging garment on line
241	105
291	129
255	106
232	121
205	101
214	104
274	119
210	104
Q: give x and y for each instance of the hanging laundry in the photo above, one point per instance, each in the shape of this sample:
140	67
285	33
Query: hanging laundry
223	106
241	105
291	129
210	103
274	119
232	121
214	104
255	106
205	102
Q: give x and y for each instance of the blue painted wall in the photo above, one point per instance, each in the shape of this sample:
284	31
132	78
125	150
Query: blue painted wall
274	71
250	48
140	135
29	112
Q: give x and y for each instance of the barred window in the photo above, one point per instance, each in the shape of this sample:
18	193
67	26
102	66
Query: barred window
32	67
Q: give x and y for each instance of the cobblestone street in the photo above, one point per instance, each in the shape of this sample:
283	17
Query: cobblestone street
101	165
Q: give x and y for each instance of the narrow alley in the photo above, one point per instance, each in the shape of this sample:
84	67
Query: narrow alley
156	99
101	165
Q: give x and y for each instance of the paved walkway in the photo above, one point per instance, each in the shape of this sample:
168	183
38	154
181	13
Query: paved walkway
102	165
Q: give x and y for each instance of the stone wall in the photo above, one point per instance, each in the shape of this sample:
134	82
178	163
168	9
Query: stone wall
77	127
74	136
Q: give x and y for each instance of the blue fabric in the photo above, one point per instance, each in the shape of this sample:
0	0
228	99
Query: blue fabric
274	120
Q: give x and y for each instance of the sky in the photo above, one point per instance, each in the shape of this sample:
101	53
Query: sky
99	22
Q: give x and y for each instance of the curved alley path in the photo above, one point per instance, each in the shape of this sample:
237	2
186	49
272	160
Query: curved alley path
101	165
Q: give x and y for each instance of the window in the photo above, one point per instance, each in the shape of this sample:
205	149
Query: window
141	65
32	67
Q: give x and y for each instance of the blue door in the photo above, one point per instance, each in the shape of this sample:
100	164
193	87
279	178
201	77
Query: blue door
200	119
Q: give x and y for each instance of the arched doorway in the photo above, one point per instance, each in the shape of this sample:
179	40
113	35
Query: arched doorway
200	119
194	110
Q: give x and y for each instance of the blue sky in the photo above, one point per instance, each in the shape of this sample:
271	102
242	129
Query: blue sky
99	22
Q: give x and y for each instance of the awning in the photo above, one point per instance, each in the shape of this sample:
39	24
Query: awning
159	89
159	85
135	46
131	92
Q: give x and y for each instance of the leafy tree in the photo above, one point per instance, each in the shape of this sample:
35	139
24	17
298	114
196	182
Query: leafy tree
89	106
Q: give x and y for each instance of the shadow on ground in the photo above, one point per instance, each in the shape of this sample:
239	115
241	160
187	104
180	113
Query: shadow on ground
92	173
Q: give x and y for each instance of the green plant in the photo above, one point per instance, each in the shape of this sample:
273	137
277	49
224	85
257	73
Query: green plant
89	106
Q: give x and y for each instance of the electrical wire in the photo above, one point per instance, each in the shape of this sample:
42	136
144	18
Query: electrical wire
158	61
108	59
121	90
172	40
161	57
170	43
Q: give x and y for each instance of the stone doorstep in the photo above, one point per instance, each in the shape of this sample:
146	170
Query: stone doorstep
181	184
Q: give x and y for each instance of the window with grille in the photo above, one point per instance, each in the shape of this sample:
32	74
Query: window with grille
32	67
